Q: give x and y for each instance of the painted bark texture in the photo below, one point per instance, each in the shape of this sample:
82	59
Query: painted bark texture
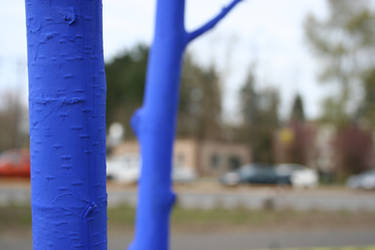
67	96
155	122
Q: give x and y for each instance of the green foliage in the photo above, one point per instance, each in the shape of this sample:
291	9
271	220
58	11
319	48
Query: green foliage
200	94
125	85
200	101
368	105
345	43
333	112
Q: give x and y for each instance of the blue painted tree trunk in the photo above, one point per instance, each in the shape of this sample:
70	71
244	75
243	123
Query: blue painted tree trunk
155	122
67	96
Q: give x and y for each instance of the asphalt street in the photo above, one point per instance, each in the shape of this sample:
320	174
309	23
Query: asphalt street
227	241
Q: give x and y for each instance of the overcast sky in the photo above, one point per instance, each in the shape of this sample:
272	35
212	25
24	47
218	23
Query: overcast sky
268	32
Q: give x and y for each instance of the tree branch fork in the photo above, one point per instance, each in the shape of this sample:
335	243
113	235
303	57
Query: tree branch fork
190	36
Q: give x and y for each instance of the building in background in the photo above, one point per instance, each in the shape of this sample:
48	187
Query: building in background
205	158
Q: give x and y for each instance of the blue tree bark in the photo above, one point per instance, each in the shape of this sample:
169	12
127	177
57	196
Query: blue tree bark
67	96
155	122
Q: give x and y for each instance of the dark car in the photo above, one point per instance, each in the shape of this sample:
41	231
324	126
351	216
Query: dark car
253	174
285	171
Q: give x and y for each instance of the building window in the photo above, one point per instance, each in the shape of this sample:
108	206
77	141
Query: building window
215	161
234	162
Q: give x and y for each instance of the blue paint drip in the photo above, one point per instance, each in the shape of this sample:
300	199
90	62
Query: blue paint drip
67	94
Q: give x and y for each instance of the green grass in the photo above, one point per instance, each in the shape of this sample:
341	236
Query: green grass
217	219
124	215
15	216
121	216
242	219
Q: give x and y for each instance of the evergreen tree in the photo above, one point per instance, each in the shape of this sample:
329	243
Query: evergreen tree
297	113
199	111
260	119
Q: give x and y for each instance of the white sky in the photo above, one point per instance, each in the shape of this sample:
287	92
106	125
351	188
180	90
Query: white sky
269	32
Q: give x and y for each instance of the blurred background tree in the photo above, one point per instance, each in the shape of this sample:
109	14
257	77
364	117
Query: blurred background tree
298	111
125	85
13	132
295	140
260	119
200	107
345	43
300	145
200	95
367	108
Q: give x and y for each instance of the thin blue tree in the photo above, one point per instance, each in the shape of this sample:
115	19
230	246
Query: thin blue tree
155	122
67	96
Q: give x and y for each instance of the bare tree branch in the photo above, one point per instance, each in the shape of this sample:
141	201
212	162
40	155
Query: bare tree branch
212	23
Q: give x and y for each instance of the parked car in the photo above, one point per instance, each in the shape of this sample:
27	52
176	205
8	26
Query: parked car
183	174
297	175
15	163
362	181
283	174
251	173
126	169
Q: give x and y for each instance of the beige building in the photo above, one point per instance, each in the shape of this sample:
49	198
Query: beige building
207	158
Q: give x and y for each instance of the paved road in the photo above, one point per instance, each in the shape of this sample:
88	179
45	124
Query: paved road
228	241
325	200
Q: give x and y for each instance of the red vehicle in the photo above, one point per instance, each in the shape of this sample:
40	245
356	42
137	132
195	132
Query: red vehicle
15	163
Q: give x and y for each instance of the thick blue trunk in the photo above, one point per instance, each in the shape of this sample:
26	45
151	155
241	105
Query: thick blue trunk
67	124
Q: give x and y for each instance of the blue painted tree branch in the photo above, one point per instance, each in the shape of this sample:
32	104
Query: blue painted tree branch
67	95
155	123
212	23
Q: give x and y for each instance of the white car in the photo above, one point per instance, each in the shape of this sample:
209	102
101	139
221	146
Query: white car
363	181
299	175
124	169
182	174
305	178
